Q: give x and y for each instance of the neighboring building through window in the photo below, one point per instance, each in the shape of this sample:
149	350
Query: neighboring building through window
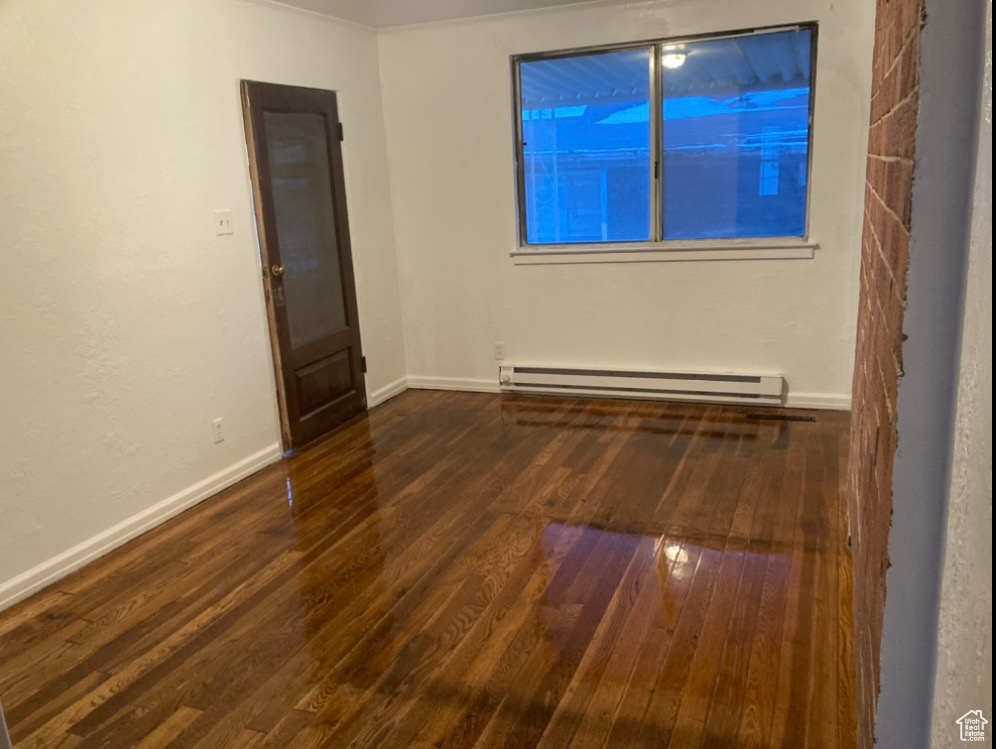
695	140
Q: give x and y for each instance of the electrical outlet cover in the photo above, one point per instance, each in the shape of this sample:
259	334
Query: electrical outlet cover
223	223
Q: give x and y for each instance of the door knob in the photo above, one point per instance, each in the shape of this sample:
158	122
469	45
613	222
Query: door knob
277	270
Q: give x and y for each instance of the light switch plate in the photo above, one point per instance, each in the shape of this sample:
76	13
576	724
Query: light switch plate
223	224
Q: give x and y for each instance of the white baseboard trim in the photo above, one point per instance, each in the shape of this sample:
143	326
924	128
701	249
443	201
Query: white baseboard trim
51	570
387	392
464	384
821	401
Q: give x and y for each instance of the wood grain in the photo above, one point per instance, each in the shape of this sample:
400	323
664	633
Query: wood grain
455	569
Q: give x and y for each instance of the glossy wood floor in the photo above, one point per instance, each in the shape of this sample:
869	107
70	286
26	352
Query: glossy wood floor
459	569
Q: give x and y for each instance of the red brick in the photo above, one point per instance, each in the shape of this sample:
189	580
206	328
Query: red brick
878	351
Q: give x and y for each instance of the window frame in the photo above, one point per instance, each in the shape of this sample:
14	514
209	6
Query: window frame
600	251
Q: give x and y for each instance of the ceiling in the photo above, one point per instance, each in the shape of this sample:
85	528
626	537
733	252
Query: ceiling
387	13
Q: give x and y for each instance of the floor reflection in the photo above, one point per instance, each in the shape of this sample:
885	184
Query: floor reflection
459	569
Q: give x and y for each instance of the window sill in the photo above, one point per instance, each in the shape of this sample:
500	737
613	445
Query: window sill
668	252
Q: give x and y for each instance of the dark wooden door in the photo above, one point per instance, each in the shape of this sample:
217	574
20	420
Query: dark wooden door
295	160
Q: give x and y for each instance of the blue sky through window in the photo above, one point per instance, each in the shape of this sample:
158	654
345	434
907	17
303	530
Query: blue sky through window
734	157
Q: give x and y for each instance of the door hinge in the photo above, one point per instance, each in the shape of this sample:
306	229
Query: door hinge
339	129
363	363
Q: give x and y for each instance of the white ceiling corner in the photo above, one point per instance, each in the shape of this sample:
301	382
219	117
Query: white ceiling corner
389	13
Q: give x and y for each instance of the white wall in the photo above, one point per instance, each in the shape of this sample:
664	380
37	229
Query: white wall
964	675
447	107
126	326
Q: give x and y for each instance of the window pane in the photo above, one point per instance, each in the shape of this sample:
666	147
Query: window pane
309	248
736	136
586	152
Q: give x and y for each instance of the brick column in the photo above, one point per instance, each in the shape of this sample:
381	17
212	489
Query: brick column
878	360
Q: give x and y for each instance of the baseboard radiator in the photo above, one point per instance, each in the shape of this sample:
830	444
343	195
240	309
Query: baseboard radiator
691	386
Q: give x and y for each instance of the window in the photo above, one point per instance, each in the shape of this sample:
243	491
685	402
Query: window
701	139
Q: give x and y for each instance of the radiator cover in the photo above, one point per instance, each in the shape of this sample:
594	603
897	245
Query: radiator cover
619	383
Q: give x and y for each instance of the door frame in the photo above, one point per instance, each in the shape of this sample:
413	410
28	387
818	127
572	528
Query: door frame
265	222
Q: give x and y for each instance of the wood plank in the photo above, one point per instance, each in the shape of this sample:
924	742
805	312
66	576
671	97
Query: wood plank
458	569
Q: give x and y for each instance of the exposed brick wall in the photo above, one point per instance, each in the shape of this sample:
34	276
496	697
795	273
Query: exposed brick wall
878	361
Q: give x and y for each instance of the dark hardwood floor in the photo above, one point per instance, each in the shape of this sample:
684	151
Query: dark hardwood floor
458	569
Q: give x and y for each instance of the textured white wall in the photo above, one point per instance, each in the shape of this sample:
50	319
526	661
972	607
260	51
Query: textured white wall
447	105
964	675
126	325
